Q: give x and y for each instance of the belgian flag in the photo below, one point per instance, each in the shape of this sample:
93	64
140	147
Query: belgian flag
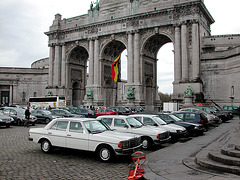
115	69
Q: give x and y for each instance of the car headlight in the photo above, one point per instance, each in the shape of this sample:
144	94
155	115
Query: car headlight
123	144
1	120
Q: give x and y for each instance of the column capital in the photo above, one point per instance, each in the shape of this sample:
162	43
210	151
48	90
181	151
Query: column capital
194	21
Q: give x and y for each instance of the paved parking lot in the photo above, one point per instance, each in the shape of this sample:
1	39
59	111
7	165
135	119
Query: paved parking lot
22	159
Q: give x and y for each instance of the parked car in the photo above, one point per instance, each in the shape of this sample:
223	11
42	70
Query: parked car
64	113
177	132
122	110
105	111
150	135
233	109
193	129
223	115
84	112
18	114
5	120
85	134
44	116
213	120
193	117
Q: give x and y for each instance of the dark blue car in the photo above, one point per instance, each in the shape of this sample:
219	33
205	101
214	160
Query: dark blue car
193	117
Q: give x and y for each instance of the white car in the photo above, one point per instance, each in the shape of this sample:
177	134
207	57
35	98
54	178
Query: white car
149	135
85	134
176	131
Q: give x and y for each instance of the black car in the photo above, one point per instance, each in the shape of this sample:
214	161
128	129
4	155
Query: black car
5	120
18	114
192	128
193	117
44	116
122	110
64	113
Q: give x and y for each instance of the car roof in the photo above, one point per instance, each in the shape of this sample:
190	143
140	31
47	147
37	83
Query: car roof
113	116
143	115
76	119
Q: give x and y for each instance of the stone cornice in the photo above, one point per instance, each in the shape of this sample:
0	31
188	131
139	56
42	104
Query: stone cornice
127	19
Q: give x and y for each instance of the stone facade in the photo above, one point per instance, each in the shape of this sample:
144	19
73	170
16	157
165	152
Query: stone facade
95	39
18	84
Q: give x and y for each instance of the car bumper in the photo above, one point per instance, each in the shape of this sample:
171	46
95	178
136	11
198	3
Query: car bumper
127	151
162	141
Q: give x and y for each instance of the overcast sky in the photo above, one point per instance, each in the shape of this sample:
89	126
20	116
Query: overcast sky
23	23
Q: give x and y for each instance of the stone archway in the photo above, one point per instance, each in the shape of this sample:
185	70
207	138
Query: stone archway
109	53
141	27
77	63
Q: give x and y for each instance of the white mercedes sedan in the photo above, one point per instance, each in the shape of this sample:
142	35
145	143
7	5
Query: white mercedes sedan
85	134
149	135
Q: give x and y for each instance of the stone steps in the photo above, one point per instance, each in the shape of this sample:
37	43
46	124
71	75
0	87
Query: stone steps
222	155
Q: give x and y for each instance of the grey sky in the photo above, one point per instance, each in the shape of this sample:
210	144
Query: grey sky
23	23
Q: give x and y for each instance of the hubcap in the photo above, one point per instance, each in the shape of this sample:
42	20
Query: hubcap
145	143
105	154
45	146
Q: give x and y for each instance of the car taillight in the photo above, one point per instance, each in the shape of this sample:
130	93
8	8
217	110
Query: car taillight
179	131
158	136
202	121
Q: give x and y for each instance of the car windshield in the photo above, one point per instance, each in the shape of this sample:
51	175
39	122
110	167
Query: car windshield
134	123
95	126
175	118
159	120
167	118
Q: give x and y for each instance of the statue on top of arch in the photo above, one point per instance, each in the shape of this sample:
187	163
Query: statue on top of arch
96	7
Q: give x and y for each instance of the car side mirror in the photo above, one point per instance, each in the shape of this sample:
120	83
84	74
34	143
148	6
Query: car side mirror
155	124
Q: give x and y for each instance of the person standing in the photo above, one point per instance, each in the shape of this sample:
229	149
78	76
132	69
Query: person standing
27	117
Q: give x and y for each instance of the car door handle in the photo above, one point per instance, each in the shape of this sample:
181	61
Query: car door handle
49	133
68	134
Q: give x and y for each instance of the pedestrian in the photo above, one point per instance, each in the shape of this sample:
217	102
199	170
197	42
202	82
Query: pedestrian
27	116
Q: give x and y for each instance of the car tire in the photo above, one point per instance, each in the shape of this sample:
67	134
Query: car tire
105	153
46	146
146	143
19	122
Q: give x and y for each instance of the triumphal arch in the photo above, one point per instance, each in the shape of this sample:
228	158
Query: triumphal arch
141	27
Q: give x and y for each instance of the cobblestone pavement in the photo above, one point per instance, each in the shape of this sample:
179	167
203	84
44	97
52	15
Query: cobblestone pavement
22	159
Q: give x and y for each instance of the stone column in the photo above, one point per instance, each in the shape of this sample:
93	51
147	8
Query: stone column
177	55
185	66
10	101
56	76
96	62
50	73
136	59
195	50
63	73
130	59
91	64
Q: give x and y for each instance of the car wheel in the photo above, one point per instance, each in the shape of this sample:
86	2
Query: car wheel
19	122
48	120
46	146
105	153
146	143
